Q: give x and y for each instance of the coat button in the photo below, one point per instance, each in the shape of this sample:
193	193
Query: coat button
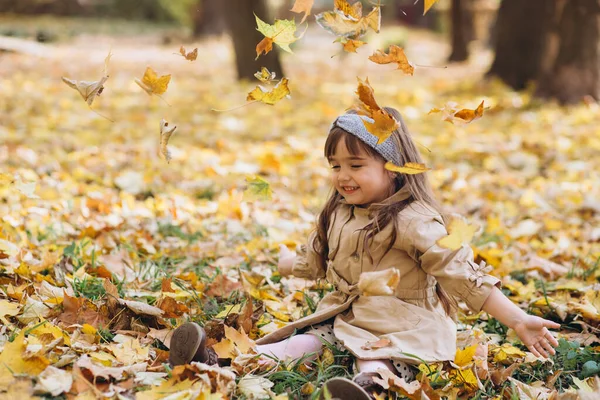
355	256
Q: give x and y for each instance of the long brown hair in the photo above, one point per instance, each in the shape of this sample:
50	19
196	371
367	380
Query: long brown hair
417	185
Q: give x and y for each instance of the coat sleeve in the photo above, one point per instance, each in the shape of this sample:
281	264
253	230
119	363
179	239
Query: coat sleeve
455	270
306	263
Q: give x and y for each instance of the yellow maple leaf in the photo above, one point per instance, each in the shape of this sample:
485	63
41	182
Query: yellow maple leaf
172	388
303	6
350	45
427	5
258	189
379	283
383	123
225	348
239	339
507	354
407	168
271	97
459	233
165	134
464	356
8	308
12	361
152	83
339	25
281	33
395	55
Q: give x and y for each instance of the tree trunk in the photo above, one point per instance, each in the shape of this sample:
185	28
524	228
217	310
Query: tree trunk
242	26
208	18
462	29
521	30
574	74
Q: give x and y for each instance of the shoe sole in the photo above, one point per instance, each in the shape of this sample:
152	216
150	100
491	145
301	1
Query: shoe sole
345	389
185	342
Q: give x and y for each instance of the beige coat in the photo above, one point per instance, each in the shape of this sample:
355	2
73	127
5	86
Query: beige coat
413	320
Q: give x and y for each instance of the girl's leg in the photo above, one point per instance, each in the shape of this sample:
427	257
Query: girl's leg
373	365
295	347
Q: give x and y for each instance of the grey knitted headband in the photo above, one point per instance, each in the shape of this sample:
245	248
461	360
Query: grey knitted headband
353	123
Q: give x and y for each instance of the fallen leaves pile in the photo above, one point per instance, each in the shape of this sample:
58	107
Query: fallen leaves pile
105	248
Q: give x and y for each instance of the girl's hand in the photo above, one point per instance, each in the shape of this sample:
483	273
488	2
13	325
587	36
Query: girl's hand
533	332
286	260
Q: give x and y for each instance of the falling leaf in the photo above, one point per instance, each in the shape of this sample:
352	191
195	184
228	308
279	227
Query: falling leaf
407	168
303	6
165	134
258	189
470	115
350	45
264	75
152	84
383	123
335	23
459	233
190	56
378	344
281	33
352	12
271	97
379	283
427	5
90	89
395	55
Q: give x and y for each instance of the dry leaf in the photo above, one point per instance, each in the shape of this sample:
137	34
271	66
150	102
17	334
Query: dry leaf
152	84
165	134
264	75
271	97
350	45
468	115
352	12
190	56
427	4
303	6
379	283
12	361
280	33
383	123
408	168
339	25
378	344
90	89
459	233
395	55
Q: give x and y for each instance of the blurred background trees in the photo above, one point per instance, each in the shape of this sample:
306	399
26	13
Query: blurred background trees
551	43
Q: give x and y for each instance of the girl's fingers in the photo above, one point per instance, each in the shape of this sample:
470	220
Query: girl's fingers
551	339
548	347
551	324
540	350
534	351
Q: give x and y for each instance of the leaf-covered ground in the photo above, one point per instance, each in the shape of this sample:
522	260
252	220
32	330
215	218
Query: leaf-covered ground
114	247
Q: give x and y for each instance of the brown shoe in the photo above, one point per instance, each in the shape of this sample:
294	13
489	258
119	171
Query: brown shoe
188	344
345	389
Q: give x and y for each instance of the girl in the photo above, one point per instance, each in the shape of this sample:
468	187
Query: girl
376	219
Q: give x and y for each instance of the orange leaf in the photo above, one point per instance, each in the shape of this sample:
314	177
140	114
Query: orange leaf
470	115
427	5
152	83
376	344
407	168
350	45
352	12
190	56
280	91
334	22
265	45
303	6
383	123
395	54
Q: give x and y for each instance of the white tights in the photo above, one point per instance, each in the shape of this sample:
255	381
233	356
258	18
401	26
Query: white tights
297	346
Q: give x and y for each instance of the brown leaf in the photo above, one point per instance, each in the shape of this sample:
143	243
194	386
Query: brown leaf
395	55
499	376
171	307
222	286
191	56
383	123
303	6
166	287
470	115
378	344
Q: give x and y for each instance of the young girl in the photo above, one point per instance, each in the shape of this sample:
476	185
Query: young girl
376	219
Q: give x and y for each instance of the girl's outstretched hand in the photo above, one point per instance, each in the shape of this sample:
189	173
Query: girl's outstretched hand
533	332
286	260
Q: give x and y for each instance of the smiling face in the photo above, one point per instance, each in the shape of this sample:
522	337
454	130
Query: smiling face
358	176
